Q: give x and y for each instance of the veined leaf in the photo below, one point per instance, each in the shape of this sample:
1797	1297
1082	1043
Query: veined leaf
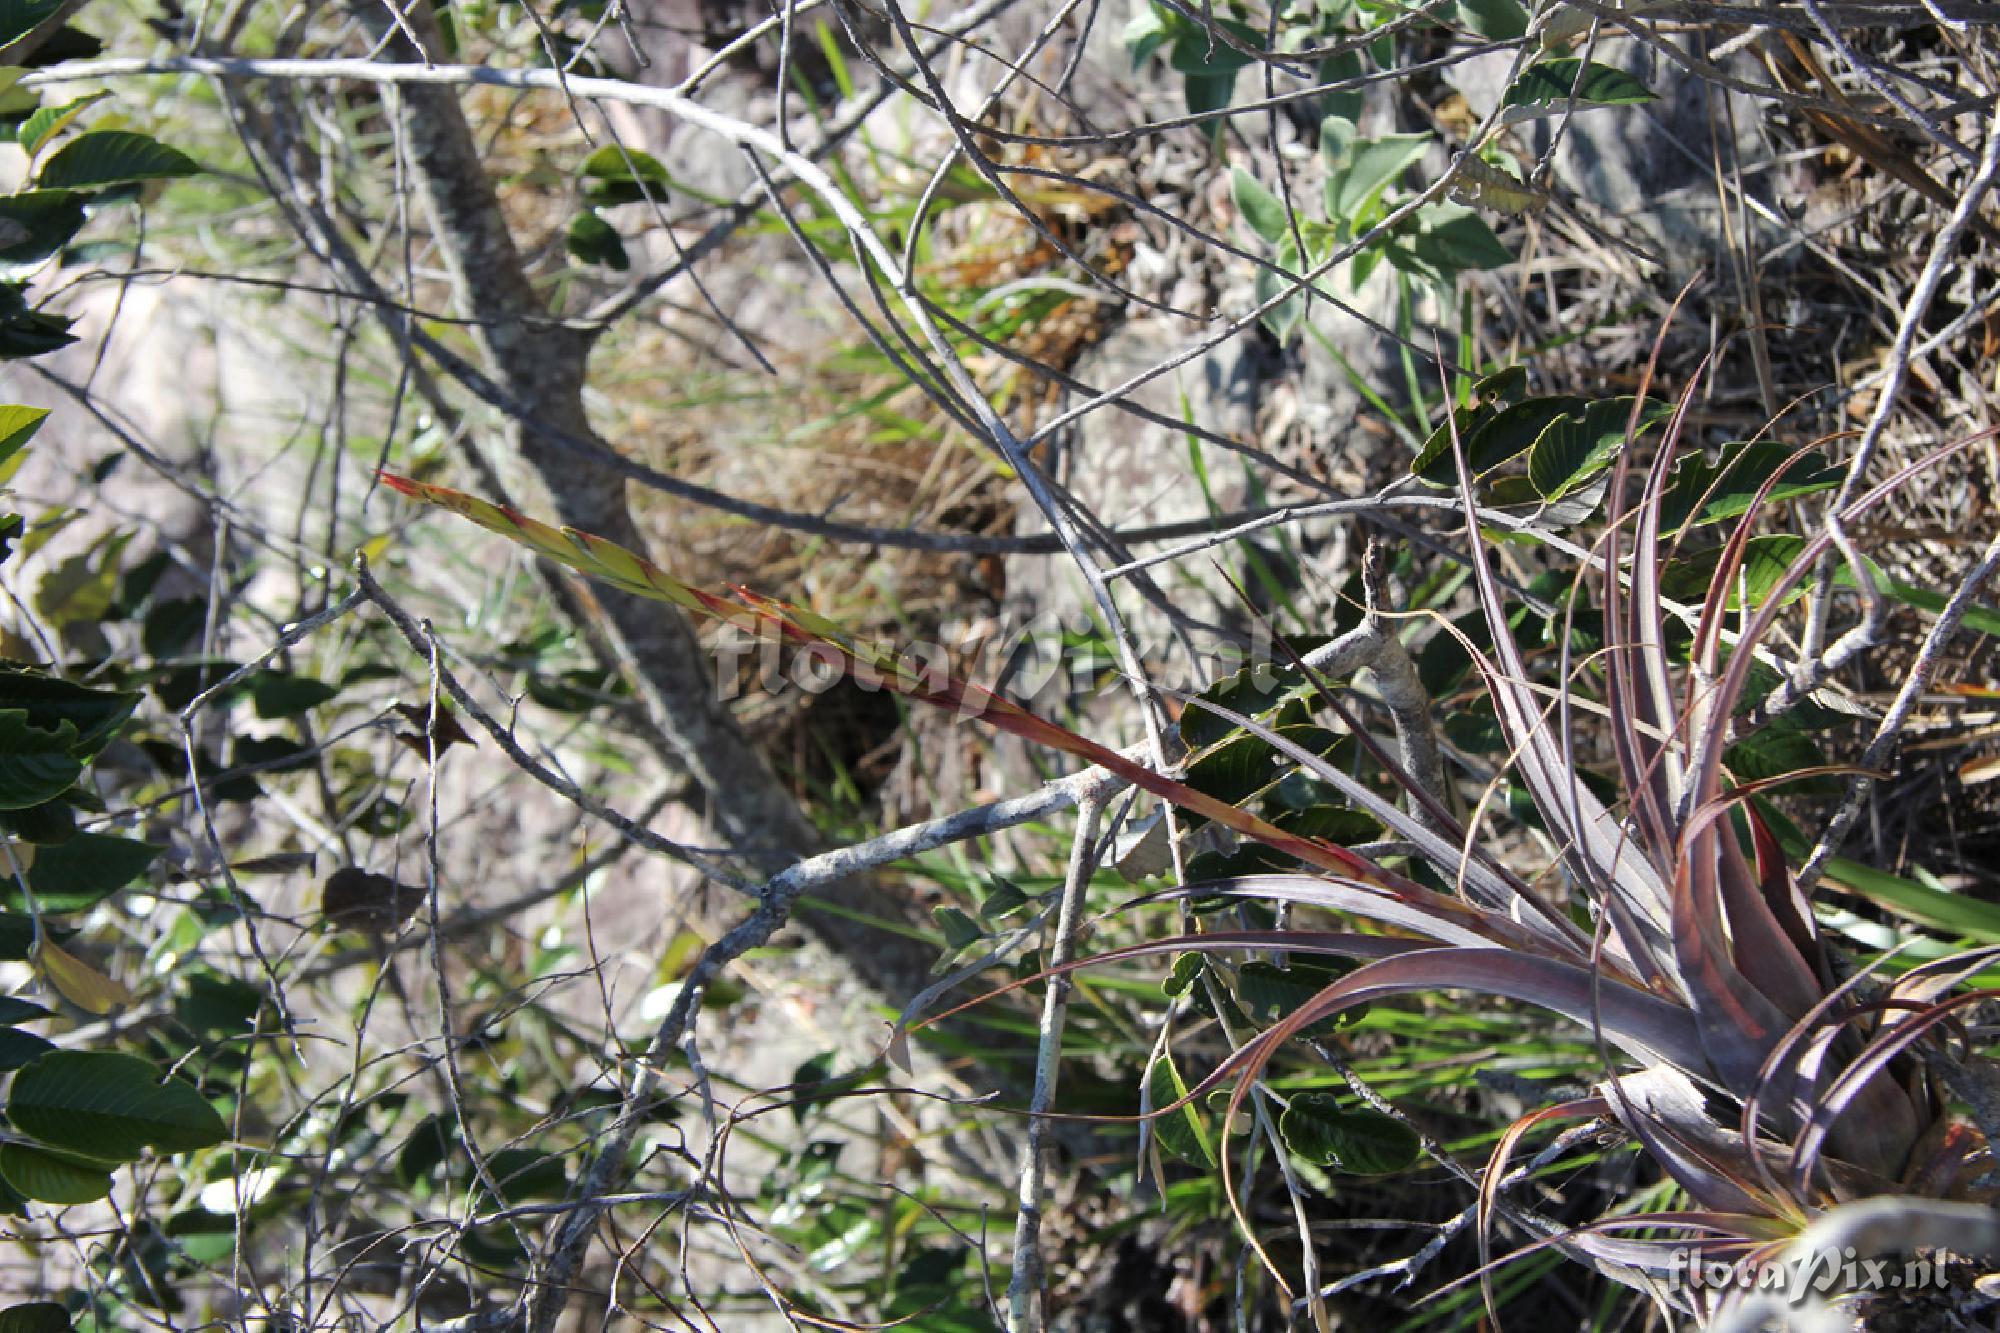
49	121
53	1177
110	1107
1700	492
1364	1143
1552	84
112	157
1765	560
18	426
1494	437
1576	448
77	981
49	700
81	871
36	764
1268	992
1480	182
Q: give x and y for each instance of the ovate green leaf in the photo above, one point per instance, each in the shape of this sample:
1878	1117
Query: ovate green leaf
35	764
77	874
614	175
110	1106
592	240
49	701
35	1317
1183	1132
277	694
959	929
18	1048
1366	169
1700	492
112	157
53	1177
37	224
1553	84
1360	1142
1453	239
49	121
18	426
1262	211
1576	448
1492	438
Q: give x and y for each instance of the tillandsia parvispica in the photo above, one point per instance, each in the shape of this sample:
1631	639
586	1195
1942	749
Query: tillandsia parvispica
1770	1076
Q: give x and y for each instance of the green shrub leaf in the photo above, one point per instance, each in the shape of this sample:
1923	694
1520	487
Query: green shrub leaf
54	1177
1576	448
110	1106
35	1317
1454	238
1269	993
277	694
112	157
37	130
36	764
18	426
1365	169
614	176
1263	212
1362	1143
592	240
1700	492
77	874
18	1048
49	700
1552	84
1493	437
1206	93
959	929
525	1174
37	223
1184	1132
20	17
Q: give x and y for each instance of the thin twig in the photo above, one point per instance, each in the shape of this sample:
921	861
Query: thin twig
1024	1284
1921	673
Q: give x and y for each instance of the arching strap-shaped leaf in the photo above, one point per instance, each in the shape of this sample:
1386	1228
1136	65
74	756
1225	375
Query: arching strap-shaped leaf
621	568
1645	1026
1492	892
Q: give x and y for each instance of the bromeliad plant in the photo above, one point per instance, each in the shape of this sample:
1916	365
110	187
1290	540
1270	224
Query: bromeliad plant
1766	1077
